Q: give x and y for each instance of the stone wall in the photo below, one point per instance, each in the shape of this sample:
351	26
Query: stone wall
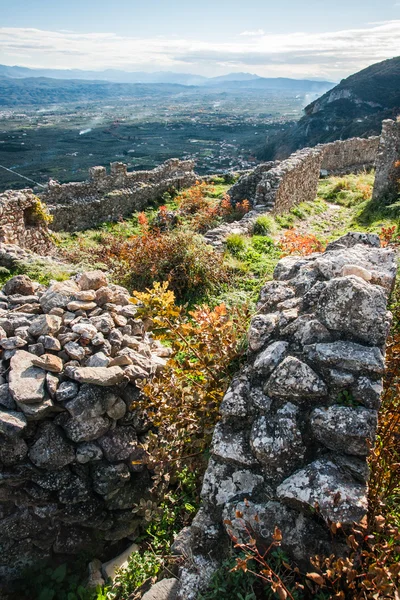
349	156
279	186
70	462
293	181
22	223
387	186
297	422
108	197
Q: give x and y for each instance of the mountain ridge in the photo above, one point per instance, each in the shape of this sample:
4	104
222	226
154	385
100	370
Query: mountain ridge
355	107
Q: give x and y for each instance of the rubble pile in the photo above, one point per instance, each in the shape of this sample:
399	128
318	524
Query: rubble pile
71	467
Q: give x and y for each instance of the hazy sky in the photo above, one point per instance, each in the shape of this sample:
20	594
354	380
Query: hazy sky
298	38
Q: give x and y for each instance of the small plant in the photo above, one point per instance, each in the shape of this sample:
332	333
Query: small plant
183	401
263	225
302	244
235	244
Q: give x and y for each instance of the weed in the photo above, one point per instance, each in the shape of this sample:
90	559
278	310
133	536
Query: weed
263	225
235	244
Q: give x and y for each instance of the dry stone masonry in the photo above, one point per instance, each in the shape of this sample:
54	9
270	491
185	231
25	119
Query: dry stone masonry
278	186
22	221
349	156
387	178
298	421
70	463
109	197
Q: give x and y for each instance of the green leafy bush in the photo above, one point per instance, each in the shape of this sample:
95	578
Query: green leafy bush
263	225
235	244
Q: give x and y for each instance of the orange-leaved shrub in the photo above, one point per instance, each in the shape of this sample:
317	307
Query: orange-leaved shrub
179	257
202	212
294	242
182	402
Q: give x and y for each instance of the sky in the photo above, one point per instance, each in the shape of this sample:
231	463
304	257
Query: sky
290	38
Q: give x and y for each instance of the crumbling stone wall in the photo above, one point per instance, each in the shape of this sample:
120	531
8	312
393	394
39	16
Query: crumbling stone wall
298	420
387	186
349	156
71	469
279	186
21	222
246	187
293	181
108	197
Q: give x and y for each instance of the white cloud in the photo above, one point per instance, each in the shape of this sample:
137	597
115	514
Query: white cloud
299	54
255	33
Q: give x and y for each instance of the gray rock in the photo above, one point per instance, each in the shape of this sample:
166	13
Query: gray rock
103	323
75	351
103	376
351	306
12	423
38	410
295	379
108	478
25	380
67	390
235	400
347	355
368	392
58	295
231	446
45	325
98	360
85	430
338	497
261	329
88	452
91	401
118	444
223	482
37	349
166	589
12	343
12	451
50	343
269	359
277	443
344	429
273	293
20	284
51	451
6	400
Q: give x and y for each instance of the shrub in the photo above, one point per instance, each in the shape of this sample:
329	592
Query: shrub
183	401
235	243
262	244
179	257
263	225
302	244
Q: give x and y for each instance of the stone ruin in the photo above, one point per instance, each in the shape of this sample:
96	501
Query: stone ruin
109	197
277	186
71	465
387	177
22	221
298	421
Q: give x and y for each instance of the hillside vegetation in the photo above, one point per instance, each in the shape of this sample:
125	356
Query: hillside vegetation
354	108
199	303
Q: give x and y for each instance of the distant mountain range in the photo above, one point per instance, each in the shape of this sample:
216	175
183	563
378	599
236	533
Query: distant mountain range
355	107
229	81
